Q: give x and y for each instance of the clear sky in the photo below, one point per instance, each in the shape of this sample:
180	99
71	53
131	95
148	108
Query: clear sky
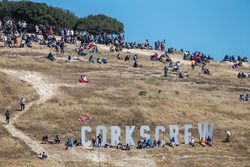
215	27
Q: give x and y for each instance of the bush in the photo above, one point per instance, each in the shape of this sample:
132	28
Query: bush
99	24
142	93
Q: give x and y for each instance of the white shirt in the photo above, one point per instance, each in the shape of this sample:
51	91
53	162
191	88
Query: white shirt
192	140
228	133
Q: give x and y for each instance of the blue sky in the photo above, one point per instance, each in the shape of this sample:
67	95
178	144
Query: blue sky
215	27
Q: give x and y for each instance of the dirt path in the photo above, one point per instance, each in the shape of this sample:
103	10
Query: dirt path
45	91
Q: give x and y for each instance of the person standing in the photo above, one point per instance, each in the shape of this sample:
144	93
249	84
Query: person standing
22	103
193	64
228	136
5	39
165	71
99	138
7	116
93	143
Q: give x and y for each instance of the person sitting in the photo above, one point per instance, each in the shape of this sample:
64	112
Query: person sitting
178	64
83	79
139	145
154	143
42	155
91	59
127	58
170	65
125	147
171	142
51	57
183	74
77	143
206	71
191	141
154	57
104	61
22	43
98	60
29	44
242	98
246	97
119	146
185	56
226	58
111	49
239	75
202	142
159	143
228	136
68	144
135	57
175	68
15	43
209	141
45	139
57	139
149	143
119	56
242	75
234	66
144	143
136	64
83	53
69	58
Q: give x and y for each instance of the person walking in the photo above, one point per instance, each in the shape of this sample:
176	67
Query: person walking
165	71
22	103
7	117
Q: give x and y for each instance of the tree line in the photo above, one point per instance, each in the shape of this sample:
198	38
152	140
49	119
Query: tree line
40	13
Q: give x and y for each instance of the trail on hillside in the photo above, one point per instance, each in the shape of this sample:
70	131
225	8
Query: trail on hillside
45	91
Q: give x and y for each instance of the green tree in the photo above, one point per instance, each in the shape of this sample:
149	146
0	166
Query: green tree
99	24
37	13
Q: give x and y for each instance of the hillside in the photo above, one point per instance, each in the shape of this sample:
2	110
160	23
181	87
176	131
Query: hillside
114	97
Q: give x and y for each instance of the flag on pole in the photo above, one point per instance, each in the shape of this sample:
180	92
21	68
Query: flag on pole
84	118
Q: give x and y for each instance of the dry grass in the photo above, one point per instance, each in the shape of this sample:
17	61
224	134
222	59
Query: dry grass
11	148
113	98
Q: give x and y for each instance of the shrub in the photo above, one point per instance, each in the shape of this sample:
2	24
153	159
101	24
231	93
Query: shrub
99	24
143	93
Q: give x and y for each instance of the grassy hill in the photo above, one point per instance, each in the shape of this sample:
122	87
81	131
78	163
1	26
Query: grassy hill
114	97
